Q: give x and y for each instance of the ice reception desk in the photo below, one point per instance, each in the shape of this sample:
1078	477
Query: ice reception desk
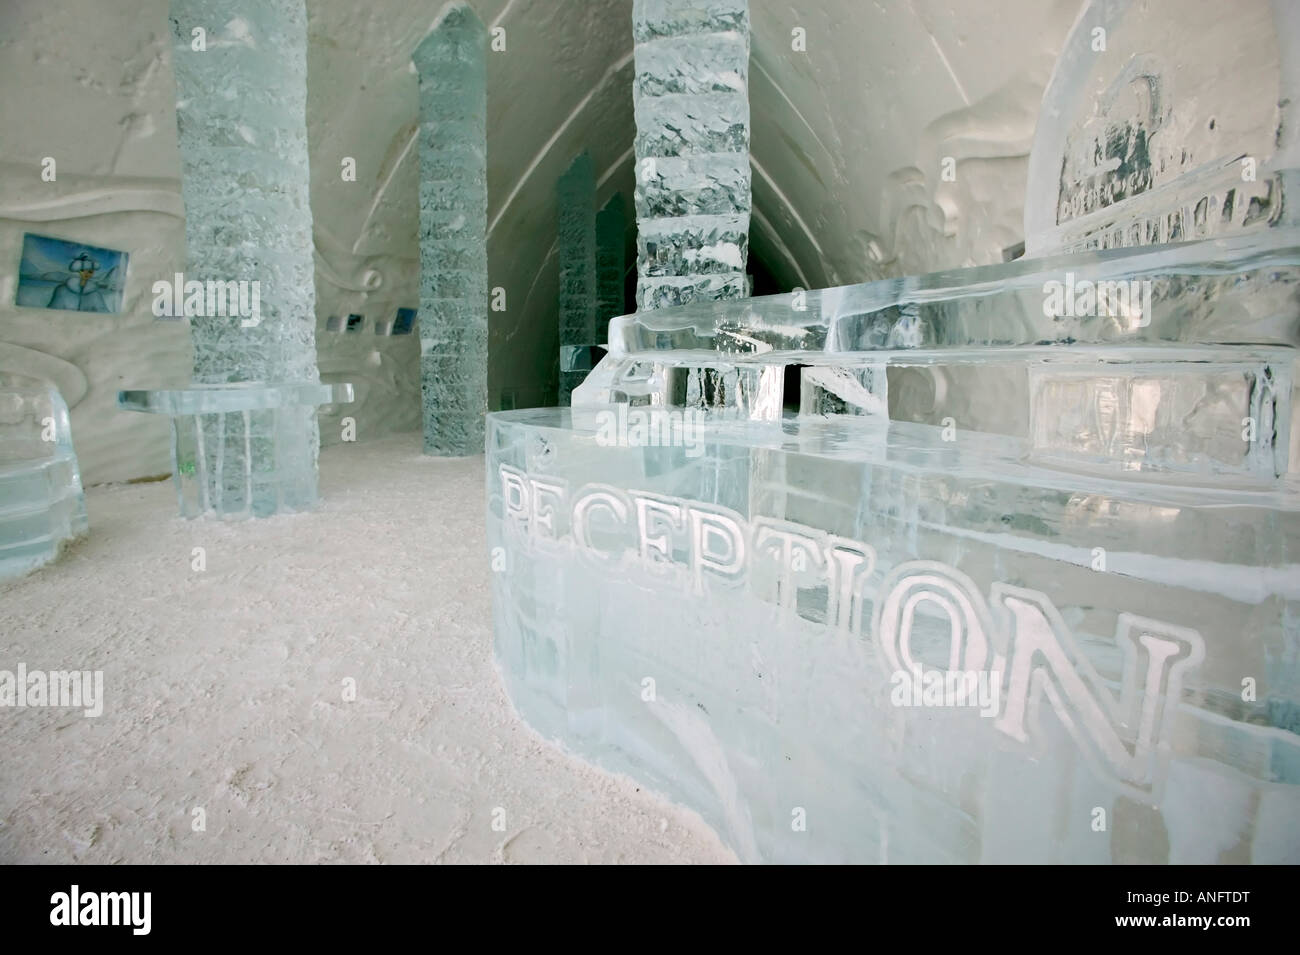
1000	579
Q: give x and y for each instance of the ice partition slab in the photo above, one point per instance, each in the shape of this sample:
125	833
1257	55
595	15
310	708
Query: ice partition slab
42	506
237	448
453	232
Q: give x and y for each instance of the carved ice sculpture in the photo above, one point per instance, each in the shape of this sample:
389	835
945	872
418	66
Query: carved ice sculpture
42	506
453	231
244	435
1021	580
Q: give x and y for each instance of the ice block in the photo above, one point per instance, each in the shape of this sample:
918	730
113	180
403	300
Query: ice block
42	506
237	448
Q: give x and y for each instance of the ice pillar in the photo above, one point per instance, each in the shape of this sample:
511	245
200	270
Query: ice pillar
575	196
611	228
453	232
241	96
691	100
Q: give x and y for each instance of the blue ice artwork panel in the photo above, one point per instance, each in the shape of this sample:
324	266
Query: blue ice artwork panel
404	321
71	276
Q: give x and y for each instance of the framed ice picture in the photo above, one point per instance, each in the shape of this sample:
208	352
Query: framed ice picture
72	276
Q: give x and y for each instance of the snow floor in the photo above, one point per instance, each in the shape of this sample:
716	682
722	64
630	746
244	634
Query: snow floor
224	691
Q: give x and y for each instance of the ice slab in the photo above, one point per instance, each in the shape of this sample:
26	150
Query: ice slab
693	245
241	396
1158	360
42	506
736	616
1214	292
714	184
239	450
656	19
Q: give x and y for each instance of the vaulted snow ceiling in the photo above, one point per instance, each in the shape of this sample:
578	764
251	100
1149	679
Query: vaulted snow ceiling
848	137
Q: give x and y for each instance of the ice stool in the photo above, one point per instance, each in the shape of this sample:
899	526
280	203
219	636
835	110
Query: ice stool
42	506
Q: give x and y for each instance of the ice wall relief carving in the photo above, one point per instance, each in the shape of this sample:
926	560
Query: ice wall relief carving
1015	636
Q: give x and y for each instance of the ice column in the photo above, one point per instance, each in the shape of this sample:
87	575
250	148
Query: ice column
692	149
611	229
453	232
241	116
241	96
575	196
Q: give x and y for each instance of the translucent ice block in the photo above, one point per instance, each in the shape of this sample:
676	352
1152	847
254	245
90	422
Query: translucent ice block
656	19
241	396
693	245
682	124
714	184
238	450
1214	292
42	506
733	617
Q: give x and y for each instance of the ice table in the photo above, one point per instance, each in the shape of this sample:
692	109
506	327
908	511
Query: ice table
241	449
42	506
1019	580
